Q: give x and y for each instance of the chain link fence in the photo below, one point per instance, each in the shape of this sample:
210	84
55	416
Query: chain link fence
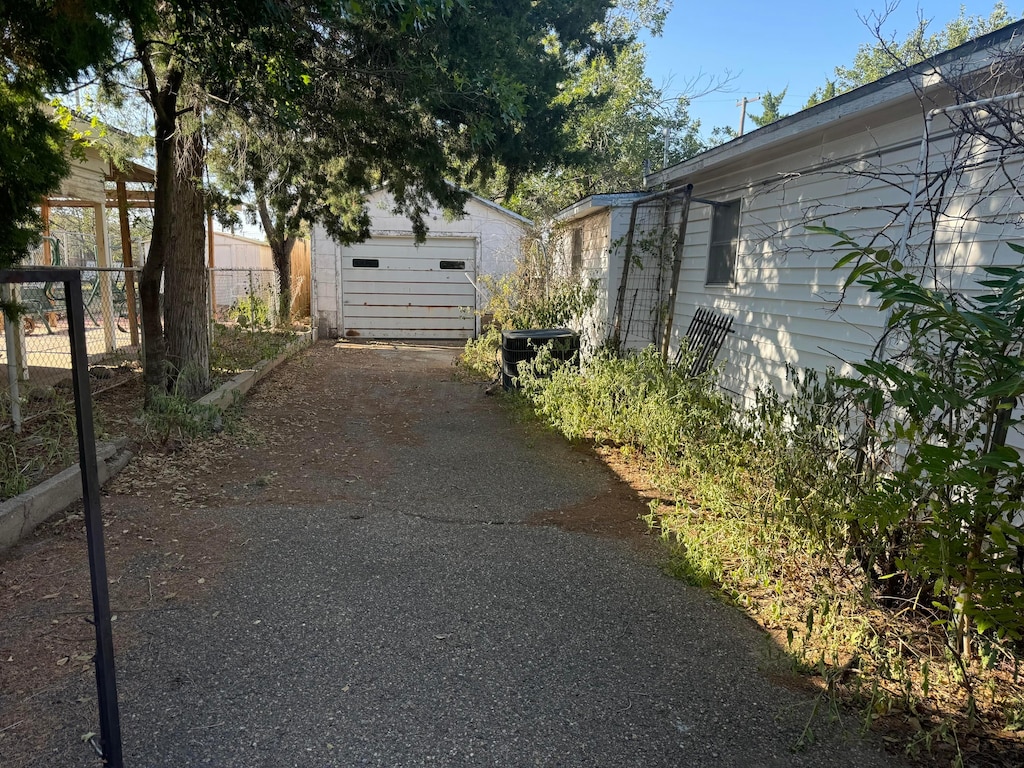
35	349
248	297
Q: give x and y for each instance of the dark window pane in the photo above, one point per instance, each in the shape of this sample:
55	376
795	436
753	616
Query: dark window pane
365	262
725	227
576	265
453	265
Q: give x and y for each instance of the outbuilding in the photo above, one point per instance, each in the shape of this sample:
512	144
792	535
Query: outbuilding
391	287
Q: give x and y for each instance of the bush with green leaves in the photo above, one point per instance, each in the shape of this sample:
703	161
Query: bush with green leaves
803	448
637	400
251	312
173	417
940	514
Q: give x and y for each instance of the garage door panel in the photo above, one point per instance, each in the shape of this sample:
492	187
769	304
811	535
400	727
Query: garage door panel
408	300
454	263
388	247
434	334
401	290
409	324
353	277
456	311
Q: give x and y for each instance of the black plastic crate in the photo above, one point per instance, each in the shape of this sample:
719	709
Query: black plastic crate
517	346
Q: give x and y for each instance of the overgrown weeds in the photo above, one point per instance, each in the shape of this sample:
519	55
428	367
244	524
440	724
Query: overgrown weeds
756	505
171	417
480	359
532	296
48	438
234	349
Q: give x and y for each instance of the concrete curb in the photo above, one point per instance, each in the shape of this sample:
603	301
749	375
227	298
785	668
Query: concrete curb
19	516
232	390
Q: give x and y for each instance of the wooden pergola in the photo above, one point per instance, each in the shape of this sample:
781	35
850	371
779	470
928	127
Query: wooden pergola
86	187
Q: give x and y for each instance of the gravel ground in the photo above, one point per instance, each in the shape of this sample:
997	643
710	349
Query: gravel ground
390	599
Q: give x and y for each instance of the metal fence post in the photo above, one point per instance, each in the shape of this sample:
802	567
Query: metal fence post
252	304
106	685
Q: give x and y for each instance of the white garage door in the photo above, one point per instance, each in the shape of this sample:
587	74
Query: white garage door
395	289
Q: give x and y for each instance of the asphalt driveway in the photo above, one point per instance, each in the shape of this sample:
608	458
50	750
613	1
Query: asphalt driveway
392	593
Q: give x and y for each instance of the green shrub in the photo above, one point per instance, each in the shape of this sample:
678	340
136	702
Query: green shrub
480	359
251	312
171	416
940	515
637	400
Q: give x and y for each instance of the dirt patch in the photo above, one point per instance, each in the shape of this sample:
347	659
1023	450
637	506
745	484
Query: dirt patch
614	512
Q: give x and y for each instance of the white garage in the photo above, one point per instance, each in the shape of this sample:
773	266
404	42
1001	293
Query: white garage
390	287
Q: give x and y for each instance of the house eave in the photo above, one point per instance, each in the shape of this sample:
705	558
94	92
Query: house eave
595	203
913	83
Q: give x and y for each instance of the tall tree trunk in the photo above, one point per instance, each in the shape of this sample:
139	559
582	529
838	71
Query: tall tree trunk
281	249
282	252
164	102
186	309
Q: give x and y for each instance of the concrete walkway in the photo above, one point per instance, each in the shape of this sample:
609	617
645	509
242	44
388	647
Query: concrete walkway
408	614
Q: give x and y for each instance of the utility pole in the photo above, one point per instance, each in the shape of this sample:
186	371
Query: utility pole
742	104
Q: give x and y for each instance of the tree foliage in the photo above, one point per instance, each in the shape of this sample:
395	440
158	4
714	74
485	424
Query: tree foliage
422	112
44	47
614	125
324	101
886	54
770	108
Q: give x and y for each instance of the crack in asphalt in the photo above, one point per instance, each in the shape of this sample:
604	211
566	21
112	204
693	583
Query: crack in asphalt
461	521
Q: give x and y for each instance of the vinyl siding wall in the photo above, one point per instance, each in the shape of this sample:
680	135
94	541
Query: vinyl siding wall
785	299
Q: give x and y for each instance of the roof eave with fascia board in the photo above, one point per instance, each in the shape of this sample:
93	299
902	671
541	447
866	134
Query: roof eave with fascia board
592	204
926	76
472	196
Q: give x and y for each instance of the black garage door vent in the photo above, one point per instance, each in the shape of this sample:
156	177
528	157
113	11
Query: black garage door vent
517	346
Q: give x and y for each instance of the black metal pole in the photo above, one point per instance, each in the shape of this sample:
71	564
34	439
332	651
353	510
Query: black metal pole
106	685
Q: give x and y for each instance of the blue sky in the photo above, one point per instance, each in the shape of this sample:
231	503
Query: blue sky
769	45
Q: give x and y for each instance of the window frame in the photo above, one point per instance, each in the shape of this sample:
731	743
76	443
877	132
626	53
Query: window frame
576	252
719	246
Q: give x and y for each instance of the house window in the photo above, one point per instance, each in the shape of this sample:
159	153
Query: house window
725	235
576	264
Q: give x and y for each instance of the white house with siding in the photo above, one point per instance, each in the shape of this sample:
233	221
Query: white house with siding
394	288
852	163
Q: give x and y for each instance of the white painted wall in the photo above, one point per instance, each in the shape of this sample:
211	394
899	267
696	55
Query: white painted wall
785	297
498	235
241	266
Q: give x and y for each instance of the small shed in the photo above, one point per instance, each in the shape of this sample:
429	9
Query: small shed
391	287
